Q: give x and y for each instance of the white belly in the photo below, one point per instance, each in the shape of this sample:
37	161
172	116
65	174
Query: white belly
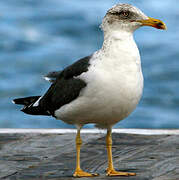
110	96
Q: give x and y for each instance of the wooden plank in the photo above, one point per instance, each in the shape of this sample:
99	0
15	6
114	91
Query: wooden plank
92	131
52	156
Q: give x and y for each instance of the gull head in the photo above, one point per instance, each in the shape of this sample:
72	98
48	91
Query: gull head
125	17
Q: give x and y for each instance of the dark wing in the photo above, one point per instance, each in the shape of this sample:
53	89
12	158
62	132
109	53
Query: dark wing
52	76
73	70
76	68
66	87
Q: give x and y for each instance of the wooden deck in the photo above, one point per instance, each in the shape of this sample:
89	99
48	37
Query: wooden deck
50	154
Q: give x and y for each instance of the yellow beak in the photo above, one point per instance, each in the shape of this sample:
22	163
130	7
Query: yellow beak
156	23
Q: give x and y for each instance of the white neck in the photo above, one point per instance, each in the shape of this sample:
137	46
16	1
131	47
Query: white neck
119	44
119	35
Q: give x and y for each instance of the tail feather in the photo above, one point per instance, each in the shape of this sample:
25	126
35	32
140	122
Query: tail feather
30	107
37	110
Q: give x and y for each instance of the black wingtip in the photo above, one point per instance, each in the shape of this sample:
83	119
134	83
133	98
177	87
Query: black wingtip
26	101
16	101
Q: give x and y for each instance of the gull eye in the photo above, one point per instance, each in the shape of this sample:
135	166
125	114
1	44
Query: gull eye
125	13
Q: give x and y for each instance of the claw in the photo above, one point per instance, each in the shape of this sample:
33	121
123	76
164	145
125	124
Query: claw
112	172
81	173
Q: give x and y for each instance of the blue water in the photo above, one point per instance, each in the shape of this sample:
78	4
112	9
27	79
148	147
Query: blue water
41	36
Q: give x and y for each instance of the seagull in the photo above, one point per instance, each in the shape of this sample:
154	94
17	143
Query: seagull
103	88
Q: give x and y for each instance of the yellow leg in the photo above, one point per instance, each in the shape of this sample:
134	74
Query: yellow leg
110	170
79	172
